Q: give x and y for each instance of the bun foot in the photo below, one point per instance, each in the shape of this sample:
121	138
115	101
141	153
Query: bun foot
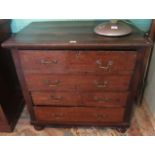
121	129
38	127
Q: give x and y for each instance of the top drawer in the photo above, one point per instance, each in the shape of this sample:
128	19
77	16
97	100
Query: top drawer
98	62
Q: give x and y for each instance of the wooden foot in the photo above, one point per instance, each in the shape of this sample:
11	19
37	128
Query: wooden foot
121	129
38	127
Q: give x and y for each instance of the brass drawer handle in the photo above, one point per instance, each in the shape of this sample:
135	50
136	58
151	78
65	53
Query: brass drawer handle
56	98
56	83
104	99
100	116
107	67
104	85
48	61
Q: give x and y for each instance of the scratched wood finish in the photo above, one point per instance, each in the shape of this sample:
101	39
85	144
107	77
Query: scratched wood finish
89	99
105	99
77	82
56	98
58	34
66	62
67	76
79	115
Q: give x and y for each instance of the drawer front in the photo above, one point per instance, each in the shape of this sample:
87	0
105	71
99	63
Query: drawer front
104	99
91	99
78	115
100	62
77	82
56	98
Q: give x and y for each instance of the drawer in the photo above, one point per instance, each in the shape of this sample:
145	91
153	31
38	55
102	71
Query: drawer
104	99
91	99
56	98
65	62
77	115
76	82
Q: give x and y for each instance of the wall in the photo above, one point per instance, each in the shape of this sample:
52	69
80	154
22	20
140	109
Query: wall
18	24
150	89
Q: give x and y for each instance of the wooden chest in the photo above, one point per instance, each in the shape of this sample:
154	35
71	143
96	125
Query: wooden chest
71	76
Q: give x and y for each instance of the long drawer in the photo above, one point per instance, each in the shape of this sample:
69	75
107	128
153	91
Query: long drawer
37	82
75	115
91	99
65	62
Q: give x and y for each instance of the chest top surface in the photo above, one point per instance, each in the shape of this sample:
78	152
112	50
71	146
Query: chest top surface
71	35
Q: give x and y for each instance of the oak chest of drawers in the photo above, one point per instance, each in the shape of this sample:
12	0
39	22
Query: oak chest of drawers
71	76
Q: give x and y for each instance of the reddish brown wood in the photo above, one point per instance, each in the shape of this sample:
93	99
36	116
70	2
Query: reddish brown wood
141	73
134	87
91	99
79	115
104	99
3	121
77	82
65	62
58	34
56	98
83	92
152	30
25	91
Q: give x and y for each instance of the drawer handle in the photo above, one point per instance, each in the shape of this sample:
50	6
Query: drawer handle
104	85
100	116
102	99
56	83
48	61
56	98
57	116
107	67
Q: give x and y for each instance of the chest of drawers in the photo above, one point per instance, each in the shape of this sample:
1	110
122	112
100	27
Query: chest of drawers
71	76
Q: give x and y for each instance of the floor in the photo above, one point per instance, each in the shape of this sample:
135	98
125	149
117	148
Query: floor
141	125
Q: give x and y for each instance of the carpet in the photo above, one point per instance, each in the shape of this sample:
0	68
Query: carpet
141	125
